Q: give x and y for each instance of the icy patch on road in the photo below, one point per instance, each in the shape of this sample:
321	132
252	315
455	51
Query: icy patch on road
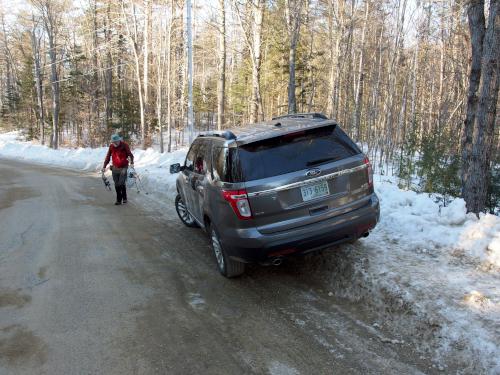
278	368
196	301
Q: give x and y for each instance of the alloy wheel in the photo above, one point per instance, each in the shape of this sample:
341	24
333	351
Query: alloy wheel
184	213
218	250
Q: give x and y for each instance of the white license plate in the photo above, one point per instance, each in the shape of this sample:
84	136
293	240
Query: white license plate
314	191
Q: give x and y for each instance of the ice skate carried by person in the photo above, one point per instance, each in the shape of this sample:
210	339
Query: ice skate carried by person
119	153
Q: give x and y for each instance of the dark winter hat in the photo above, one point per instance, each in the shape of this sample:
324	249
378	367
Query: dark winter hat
115	138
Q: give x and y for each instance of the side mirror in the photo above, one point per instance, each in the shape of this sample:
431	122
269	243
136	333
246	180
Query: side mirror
175	168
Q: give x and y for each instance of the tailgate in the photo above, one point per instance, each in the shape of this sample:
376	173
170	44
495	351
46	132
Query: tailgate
305	178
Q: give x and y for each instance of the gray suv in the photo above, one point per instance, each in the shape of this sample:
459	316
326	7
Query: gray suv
289	186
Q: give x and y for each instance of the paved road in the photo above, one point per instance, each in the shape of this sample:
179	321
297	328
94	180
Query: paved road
90	288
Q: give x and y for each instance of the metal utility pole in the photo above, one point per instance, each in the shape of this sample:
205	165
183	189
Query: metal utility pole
190	70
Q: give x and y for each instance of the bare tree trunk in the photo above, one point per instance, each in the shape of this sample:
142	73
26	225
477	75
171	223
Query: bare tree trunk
49	20
253	39
348	61
108	73
258	16
338	13
8	62
190	110
475	14
221	82
476	183
359	87
55	91
442	66
392	75
375	98
133	38
169	70
332	56
310	65
145	45
413	116
94	131
293	9
160	65
35	44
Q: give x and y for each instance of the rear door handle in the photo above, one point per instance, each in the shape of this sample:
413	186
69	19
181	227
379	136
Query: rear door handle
192	182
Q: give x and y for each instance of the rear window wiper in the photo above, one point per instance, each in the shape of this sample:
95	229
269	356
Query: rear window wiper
320	161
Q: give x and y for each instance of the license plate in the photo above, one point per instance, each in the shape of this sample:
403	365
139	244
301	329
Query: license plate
314	191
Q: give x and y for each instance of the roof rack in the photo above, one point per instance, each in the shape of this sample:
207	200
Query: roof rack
313	115
226	134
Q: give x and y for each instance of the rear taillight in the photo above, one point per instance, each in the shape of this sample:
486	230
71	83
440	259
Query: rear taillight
369	171
238	199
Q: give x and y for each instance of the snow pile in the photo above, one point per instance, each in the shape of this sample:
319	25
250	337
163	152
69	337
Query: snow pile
435	267
154	169
481	239
419	221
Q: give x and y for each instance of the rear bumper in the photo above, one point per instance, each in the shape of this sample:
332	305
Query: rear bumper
249	245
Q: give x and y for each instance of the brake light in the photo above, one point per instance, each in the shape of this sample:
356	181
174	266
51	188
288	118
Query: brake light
369	171
238	199
294	134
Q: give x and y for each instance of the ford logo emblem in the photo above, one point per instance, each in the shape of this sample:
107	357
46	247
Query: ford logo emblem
313	172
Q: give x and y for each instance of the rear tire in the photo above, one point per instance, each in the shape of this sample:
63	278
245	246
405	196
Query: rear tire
183	213
227	266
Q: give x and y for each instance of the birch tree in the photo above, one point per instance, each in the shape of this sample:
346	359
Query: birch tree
35	46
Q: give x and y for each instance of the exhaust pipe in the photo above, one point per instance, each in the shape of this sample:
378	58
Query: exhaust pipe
277	261
366	234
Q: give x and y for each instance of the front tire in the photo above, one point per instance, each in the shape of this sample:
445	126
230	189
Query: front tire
227	266
183	213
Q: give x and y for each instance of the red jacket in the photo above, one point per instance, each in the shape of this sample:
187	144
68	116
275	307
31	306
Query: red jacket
119	154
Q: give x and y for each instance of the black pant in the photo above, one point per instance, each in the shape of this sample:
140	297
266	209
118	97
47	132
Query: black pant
120	179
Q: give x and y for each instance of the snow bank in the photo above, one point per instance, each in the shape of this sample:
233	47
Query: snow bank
152	166
437	266
416	219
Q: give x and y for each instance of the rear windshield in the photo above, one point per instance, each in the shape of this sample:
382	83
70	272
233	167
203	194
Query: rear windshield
294	152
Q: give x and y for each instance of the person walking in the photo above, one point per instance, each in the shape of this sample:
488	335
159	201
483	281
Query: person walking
119	153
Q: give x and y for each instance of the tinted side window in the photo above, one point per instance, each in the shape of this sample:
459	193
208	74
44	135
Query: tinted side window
219	163
202	156
189	163
226	166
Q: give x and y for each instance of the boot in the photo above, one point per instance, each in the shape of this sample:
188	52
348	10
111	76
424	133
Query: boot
119	195
124	194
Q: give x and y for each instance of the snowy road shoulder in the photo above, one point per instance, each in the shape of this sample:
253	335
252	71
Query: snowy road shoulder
432	272
152	166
